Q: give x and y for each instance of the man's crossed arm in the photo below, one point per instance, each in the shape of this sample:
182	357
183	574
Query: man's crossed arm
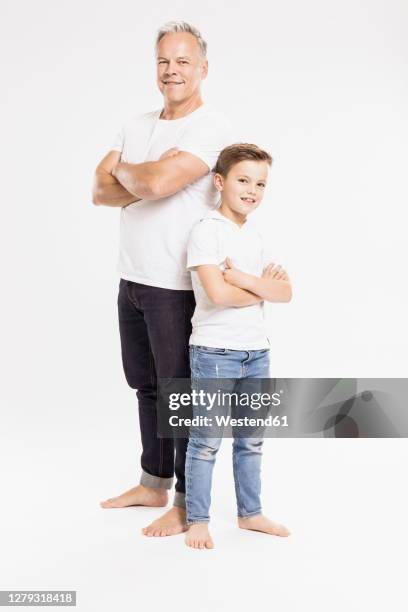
120	184
107	190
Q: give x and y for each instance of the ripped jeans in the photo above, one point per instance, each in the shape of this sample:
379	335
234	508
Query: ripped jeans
210	363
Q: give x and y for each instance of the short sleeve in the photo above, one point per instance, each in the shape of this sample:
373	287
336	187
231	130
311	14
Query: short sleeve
205	137
202	245
119	141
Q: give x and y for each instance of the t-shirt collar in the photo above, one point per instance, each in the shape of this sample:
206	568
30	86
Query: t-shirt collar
215	214
197	111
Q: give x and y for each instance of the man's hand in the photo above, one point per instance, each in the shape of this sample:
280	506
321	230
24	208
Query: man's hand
107	191
169	153
274	271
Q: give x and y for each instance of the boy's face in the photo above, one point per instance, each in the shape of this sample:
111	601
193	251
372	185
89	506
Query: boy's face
243	188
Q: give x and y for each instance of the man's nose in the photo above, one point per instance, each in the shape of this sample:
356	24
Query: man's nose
171	68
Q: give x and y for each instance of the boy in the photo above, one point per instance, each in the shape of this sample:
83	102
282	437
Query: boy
231	279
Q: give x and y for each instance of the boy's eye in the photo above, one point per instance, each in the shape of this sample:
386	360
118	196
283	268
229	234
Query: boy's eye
242	180
261	184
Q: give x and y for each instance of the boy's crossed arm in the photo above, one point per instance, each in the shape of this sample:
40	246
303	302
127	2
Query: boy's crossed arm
235	288
221	292
274	284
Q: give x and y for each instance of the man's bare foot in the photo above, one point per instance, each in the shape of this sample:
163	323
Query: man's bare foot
262	523
198	536
138	496
172	522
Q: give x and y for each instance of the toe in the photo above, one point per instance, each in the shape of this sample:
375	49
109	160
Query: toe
112	502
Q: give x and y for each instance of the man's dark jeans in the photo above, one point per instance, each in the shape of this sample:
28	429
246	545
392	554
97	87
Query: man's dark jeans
155	327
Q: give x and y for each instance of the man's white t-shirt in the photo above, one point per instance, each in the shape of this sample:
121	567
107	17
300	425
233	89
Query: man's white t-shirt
211	241
154	234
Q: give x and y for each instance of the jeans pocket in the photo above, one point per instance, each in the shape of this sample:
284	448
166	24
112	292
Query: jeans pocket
211	350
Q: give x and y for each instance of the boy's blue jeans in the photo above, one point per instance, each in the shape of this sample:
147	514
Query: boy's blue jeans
207	362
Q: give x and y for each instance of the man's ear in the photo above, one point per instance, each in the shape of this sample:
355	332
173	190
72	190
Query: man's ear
218	182
204	69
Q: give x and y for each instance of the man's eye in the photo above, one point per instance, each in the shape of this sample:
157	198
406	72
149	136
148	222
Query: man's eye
183	62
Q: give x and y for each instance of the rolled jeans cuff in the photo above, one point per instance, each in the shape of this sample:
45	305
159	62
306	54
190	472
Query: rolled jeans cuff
179	500
197	521
155	482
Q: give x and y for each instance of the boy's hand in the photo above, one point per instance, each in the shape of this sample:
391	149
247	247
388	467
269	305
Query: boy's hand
169	153
276	272
235	277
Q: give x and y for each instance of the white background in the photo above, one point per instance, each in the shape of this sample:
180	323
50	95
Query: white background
322	85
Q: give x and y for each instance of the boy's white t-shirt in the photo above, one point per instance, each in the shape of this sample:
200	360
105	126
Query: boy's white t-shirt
211	241
154	234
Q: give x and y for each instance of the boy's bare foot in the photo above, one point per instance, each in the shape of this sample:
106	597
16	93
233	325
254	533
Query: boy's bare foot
198	536
171	523
262	523
138	496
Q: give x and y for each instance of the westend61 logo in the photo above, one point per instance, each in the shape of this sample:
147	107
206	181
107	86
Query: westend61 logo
208	400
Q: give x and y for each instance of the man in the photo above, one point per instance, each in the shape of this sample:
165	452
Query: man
158	173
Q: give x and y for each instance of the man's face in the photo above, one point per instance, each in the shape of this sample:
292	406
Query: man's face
180	66
243	188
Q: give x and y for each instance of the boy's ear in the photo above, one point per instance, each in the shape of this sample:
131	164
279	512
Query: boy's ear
218	182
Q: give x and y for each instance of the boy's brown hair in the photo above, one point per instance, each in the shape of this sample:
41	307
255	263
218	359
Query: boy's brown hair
236	153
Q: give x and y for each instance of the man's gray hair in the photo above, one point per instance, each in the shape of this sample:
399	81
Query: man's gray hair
181	26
